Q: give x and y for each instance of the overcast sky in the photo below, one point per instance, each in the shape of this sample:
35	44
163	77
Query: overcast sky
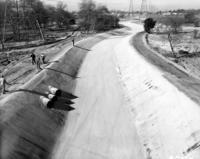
124	4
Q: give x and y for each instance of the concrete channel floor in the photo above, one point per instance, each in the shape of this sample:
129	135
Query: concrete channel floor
127	109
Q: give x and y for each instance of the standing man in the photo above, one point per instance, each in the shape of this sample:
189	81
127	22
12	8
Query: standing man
38	63
73	41
43	58
3	83
33	58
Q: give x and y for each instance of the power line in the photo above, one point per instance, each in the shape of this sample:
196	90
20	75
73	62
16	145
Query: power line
144	7
130	13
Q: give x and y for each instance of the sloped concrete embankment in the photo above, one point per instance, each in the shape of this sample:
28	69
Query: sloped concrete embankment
28	130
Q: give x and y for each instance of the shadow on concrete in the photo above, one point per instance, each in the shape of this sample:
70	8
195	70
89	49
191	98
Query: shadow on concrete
30	91
59	105
49	62
64	94
64	73
81	48
39	70
63	107
68	95
13	81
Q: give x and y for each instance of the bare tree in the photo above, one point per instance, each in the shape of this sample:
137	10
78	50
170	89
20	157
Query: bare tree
171	45
96	18
174	21
87	13
63	17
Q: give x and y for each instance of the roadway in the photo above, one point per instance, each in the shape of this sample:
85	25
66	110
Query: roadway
127	109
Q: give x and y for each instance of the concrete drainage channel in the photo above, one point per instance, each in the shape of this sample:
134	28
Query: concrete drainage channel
27	128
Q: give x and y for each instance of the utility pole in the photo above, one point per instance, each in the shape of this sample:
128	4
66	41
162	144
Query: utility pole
130	12
42	36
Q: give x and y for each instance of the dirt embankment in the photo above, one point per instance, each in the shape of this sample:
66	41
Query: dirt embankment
186	47
175	74
28	130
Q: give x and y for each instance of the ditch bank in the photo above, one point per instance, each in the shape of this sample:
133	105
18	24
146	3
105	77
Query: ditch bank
141	44
27	128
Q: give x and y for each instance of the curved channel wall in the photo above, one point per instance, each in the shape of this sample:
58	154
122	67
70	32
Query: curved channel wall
27	129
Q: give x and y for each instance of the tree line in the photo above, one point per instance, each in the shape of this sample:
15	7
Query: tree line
93	17
21	17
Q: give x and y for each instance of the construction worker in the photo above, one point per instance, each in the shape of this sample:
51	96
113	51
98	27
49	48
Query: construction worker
43	58
3	83
38	63
33	58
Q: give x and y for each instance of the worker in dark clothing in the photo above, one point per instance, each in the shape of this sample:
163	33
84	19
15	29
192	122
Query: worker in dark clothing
3	83
43	58
33	57
38	63
73	41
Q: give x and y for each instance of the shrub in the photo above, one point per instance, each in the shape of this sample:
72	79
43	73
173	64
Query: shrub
149	24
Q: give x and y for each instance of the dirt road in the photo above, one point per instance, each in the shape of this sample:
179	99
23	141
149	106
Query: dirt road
127	109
